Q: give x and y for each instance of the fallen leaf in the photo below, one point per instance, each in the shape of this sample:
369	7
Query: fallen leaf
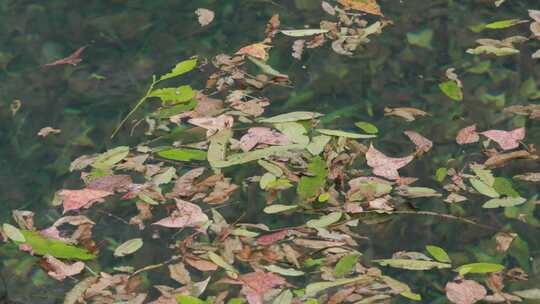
272	26
200	264
535	15
72	59
83	198
533	177
465	292
298	48
506	139
269	239
263	135
257	50
60	270
423	145
205	16
48	130
407	113
179	273
385	166
256	284
500	159
187	215
213	124
110	183
254	107
467	135
128	247
367	6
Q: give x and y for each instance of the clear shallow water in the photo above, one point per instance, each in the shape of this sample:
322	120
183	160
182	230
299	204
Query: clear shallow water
130	40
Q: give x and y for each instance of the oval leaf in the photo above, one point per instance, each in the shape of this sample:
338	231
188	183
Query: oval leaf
504	202
325	220
479	268
128	247
13	233
438	254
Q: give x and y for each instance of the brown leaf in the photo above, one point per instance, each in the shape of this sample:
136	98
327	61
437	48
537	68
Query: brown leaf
533	177
110	183
184	185
467	135
83	198
501	159
44	132
465	292
179	273
188	215
256	284
257	50
298	48
263	135
504	240
213	124
221	192
423	145
60	270
407	113
200	264
205	16
315	42
386	166
367	6
254	107
72	59
508	140
272	26
269	239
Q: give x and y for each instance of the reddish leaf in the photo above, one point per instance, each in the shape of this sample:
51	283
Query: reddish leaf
506	139
213	124
205	16
263	135
467	135
465	292
60	270
423	145
257	50
367	6
269	239
200	264
256	284
77	199
72	59
385	166
110	183
188	215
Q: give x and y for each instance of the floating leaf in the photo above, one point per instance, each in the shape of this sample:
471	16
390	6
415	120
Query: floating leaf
344	134
490	49
506	139
267	69
531	294
270	167
13	233
504	202
479	268
242	158
451	89
303	32
107	159
218	260
289	272
205	16
504	24
183	154
171	96
185	299
58	249
292	116
367	6
277	208
367	127
467	135
345	264
385	166
83	198
325	220
412	264
186	215
504	186
314	288
317	144
262	135
483	188
438	254
181	68
465	292
128	247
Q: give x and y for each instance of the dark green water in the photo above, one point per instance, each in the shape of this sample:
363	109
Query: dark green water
128	41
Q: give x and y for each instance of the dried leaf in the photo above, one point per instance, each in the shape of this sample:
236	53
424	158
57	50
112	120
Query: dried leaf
506	139
187	215
257	284
60	270
298	48
262	135
467	135
407	113
44	132
128	247
257	50
303	32
367	6
84	198
213	124
423	145
205	16
385	166
465	292
72	59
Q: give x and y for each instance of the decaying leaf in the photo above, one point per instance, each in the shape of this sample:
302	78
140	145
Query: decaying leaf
205	16
407	113
213	124
128	247
83	198
256	284
423	145
72	59
367	6
386	166
187	215
262	135
508	140
44	132
465	292
60	270
257	50
467	135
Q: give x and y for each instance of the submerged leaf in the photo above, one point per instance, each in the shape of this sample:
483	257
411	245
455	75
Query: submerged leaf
465	292
344	134
504	202
385	166
325	220
506	139
467	135
412	264
292	116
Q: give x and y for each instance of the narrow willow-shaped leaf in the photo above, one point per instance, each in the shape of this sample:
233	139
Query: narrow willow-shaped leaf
367	127
325	220
345	134
317	144
483	188
107	159
241	158
303	32
503	24
218	260
218	146
504	202
265	68
292	116
314	288
128	247
438	254
277	208
290	272
490	49
58	249
412	264
13	233
181	68
183	154
530	294
479	268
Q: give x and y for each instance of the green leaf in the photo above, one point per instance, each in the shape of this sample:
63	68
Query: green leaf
317	144
503	24
277	208
479	268
490	49
183	154
128	247
485	175
290	272
309	186
107	159
504	186
270	167
421	38
415	192
244	232
440	174
529	294
58	249
13	233
451	89
181	68
483	188
345	264
176	109
344	134
325	220
314	288
504	202
185	299
292	116
265	68
170	96
294	131
218	146
218	260
367	127
412	264
241	158
438	254
284	297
